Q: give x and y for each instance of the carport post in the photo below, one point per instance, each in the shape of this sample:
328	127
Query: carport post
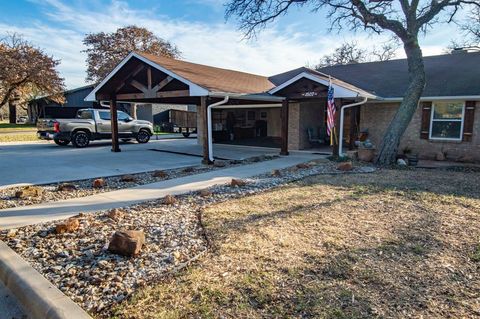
284	146
114	124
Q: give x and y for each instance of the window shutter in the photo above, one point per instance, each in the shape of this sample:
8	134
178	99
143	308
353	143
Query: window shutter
468	121
426	116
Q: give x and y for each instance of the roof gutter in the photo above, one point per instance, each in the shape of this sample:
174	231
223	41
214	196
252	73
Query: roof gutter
252	97
342	115
433	98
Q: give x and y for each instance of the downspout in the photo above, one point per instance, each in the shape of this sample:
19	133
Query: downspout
340	142
209	126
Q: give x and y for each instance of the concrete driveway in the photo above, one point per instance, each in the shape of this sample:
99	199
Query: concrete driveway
41	163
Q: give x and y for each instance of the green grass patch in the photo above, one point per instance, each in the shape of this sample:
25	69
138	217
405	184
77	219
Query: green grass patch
163	133
16	127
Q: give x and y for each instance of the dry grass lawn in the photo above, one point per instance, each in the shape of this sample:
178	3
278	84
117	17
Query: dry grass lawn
23	137
393	244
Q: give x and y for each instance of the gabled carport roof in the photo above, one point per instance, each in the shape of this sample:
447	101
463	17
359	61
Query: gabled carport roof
342	88
204	80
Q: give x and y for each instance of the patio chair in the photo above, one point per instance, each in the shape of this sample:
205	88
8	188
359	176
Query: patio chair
312	139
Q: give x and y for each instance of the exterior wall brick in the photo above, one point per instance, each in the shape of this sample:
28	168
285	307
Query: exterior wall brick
377	116
294	126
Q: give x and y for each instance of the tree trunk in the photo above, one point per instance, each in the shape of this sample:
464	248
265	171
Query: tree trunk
416	71
12	112
133	110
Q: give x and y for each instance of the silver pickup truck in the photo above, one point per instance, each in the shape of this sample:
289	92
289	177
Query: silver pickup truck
92	124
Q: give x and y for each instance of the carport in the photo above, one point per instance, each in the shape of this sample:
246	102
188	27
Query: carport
233	106
143	78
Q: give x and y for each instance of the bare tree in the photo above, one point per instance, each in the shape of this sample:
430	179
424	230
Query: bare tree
24	69
387	51
472	26
470	37
106	50
346	53
351	53
405	19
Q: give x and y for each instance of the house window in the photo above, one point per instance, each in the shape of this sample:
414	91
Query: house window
446	121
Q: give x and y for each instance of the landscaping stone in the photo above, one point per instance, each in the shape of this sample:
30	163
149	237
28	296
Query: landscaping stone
84	187
303	166
439	156
98	183
401	162
115	214
205	193
68	226
345	166
276	173
128	178
29	191
160	174
127	243
218	163
466	159
366	154
11	233
188	170
66	187
98	285
237	182
169	200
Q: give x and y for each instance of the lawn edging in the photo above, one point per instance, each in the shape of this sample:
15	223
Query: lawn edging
37	295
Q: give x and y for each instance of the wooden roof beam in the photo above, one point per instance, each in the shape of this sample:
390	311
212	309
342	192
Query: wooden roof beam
130	76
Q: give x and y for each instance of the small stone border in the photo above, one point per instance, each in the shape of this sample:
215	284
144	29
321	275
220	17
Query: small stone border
80	265
83	188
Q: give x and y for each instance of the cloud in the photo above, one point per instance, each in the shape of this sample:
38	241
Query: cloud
216	44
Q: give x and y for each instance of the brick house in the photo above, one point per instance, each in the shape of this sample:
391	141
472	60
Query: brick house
287	110
447	120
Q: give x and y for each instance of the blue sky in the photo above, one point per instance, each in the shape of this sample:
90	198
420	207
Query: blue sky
197	27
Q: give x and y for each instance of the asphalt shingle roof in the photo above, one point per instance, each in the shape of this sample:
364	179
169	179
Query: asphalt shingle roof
456	74
212	78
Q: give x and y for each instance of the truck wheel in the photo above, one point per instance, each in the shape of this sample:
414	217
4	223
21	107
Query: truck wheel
80	139
186	135
143	136
61	142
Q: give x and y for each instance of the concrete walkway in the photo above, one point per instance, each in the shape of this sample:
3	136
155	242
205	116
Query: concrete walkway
28	215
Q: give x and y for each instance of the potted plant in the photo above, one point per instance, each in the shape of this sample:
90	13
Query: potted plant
366	151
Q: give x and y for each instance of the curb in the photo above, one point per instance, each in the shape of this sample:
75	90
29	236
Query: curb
39	298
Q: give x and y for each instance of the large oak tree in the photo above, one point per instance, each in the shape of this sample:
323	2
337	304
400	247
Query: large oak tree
26	70
405	19
106	50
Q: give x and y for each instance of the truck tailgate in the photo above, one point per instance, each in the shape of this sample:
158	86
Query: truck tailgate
45	124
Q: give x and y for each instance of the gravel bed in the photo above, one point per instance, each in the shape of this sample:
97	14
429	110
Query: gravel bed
80	265
50	192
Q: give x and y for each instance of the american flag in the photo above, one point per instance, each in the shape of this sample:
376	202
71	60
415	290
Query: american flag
330	111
